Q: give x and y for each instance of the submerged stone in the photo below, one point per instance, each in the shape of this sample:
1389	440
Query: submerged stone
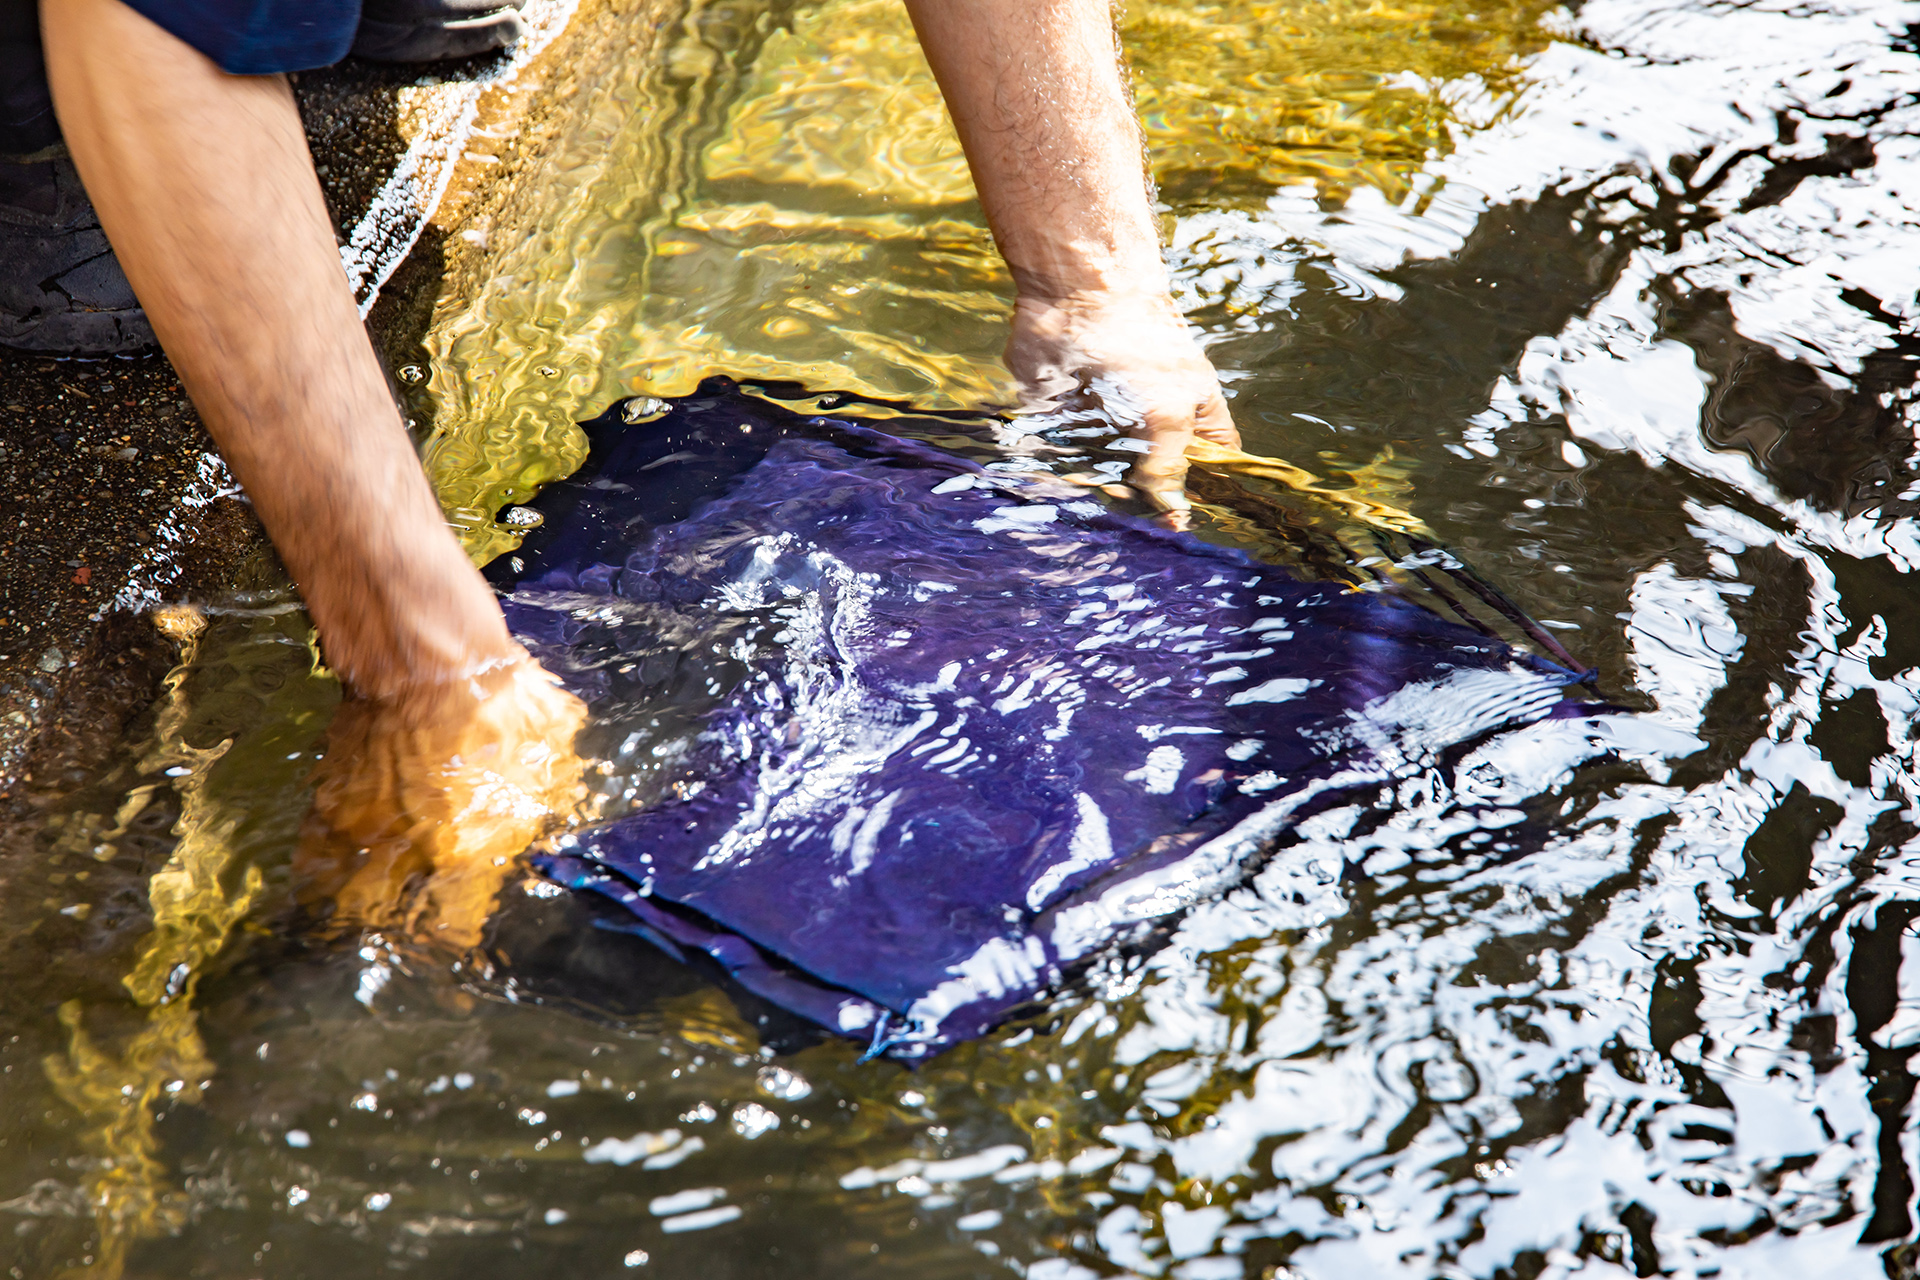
977	730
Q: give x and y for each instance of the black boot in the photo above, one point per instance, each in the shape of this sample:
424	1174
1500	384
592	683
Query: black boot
61	292
435	30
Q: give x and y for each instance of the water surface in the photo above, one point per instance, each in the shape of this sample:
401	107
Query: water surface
1619	302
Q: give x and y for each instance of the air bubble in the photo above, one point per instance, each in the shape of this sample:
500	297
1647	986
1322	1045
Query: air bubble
522	518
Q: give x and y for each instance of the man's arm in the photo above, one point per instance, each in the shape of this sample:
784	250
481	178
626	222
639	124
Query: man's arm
1035	89
207	193
206	190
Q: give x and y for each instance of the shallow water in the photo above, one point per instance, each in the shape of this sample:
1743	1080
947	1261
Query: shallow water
1616	302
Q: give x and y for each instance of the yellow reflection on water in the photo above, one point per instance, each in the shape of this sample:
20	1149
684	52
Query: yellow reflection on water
777	193
248	691
843	98
1242	97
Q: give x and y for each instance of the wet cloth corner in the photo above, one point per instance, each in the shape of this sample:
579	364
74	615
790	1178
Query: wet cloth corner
978	728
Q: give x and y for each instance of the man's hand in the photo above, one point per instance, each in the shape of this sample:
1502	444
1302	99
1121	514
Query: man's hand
1036	92
424	804
1135	355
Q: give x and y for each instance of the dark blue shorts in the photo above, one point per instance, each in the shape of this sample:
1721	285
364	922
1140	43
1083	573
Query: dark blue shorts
260	37
245	37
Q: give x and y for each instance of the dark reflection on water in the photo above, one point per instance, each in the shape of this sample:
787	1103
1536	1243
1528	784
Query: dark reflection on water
1637	346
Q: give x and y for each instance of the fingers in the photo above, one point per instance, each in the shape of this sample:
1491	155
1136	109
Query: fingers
451	908
1214	421
1162	477
1161	473
367	888
422	811
1133	363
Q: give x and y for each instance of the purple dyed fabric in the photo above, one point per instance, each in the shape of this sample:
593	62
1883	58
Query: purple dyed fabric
980	729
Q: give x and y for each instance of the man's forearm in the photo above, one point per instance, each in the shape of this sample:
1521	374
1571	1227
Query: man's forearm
1036	91
207	193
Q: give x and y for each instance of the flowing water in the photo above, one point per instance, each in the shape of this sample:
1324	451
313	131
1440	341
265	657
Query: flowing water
1618	301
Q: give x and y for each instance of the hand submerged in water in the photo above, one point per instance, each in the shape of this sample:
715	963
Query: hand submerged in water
424	802
1134	355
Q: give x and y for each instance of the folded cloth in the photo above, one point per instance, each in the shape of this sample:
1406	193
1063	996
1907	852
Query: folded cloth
980	729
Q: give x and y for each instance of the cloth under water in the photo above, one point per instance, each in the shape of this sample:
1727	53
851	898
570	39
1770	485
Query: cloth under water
984	728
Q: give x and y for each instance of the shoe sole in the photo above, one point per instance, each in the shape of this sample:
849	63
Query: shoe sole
79	333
